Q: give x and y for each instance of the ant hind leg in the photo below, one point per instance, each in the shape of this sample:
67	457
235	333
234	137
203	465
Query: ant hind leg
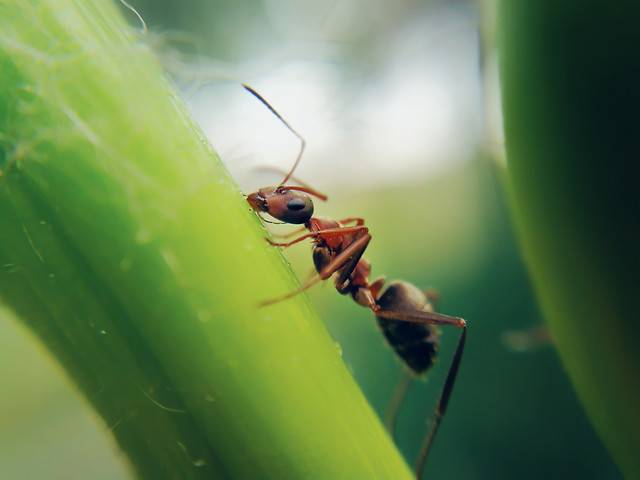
441	406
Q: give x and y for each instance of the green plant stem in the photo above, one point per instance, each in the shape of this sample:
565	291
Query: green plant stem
570	72
128	250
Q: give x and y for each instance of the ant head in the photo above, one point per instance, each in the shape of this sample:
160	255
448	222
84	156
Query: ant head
287	204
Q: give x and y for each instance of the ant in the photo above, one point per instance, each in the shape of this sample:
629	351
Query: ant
403	312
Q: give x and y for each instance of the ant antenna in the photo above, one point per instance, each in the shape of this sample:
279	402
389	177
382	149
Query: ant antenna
144	24
286	124
305	185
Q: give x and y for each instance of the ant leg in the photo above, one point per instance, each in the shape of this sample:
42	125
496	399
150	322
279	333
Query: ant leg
359	221
399	393
348	259
376	286
361	245
302	288
295	232
338	262
431	318
418	316
340	231
293	242
527	339
441	407
328	233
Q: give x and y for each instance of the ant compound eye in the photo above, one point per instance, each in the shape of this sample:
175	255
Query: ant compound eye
295	208
296	204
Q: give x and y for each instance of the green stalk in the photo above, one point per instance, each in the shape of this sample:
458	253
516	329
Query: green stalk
128	250
570	72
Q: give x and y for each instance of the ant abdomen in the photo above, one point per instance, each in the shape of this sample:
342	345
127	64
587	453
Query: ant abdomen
415	343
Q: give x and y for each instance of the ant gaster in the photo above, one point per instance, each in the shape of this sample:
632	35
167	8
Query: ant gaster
403	312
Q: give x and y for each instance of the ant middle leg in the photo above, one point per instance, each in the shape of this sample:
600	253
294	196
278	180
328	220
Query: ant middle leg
324	234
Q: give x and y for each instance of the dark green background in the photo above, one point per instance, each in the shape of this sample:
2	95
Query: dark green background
513	415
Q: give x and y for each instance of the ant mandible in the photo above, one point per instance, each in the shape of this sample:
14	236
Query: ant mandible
403	312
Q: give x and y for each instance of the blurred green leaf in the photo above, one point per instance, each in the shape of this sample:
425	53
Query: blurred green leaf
570	72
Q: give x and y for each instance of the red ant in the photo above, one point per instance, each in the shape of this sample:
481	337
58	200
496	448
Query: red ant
403	312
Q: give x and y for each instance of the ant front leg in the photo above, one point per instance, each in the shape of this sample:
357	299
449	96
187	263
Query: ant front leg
293	233
348	258
327	233
354	249
293	242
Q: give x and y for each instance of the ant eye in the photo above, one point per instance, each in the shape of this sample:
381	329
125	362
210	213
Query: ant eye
296	204
296	210
292	207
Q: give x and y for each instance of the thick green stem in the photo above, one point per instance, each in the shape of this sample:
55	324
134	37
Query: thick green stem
570	72
127	249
